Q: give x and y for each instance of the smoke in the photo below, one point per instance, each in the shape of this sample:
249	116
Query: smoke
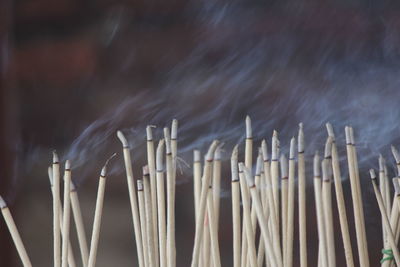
275	74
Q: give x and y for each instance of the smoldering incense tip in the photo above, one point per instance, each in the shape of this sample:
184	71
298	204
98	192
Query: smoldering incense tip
249	133
104	169
139	185
300	139
351	132
372	174
211	150
174	129
55	157
122	138
167	138
328	147
275	146
159	153
67	165
259	164
3	204
347	133
149	132
396	154
217	154
381	163
329	129
316	162
234	162
196	155
292	150
264	150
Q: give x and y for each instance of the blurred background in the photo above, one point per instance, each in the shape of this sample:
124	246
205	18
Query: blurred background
73	72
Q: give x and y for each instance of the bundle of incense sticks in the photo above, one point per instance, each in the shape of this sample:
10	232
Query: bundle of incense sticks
263	205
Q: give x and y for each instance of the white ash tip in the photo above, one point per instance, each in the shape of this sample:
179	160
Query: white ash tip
396	185
235	152
122	138
275	133
292	150
241	166
174	129
159	154
347	133
249	178
381	163
139	185
167	138
149	132
329	129
145	169
103	171
328	147
234	164
275	147
67	164
284	166
249	133
3	204
372	173
217	153
316	164
325	171
211	150
264	150
196	155
395	153
300	139
55	157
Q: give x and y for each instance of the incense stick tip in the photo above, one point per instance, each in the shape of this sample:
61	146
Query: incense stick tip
211	150
217	153
174	129
328	147
67	164
149	132
396	154
329	129
381	163
264	150
259	163
145	169
249	133
292	150
316	164
122	138
50	174
196	155
139	185
55	157
372	174
3	204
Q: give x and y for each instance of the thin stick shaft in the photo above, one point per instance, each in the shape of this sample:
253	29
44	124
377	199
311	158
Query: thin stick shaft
302	209
66	219
56	215
162	235
290	216
236	222
149	220
143	225
213	230
320	219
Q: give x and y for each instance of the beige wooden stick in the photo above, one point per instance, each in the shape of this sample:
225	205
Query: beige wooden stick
271	207
395	214
162	236
56	211
323	257
196	179
382	188
344	227
206	243
290	215
149	219
247	219
12	228
396	156
80	228
355	198
97	215
132	197
382	209
171	250
275	172
216	185
235	207
143	225
66	215
202	206
275	260
71	258
151	161
284	203
302	199
213	229
327	203
260	190
361	206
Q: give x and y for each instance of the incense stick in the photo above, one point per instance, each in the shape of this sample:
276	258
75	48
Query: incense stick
12	228
356	200
56	211
67	215
284	203
344	227
302	198
290	215
71	258
97	215
323	257
149	219
251	249
202	206
213	228
235	207
80	228
382	188
162	236
143	225
216	185
382	209
196	179
275	172
132	197
275	260
151	161
396	156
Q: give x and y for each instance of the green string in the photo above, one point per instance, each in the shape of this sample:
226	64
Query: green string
388	253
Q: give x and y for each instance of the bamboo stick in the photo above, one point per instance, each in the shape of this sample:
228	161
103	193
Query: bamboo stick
65	229
149	219
143	226
284	203
162	236
235	207
56	211
290	215
302	199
